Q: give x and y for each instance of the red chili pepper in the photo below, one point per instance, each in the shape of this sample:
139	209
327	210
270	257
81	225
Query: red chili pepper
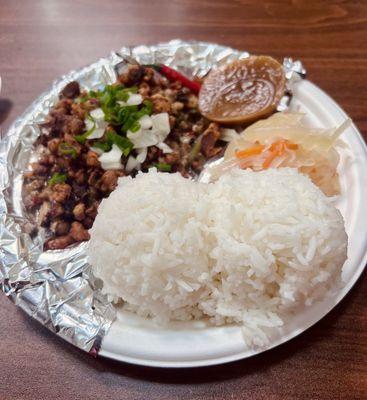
173	75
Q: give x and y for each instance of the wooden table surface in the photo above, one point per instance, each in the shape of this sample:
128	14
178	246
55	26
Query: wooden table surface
42	39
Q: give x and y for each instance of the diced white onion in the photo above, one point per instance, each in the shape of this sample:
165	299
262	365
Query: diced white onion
97	114
96	122
142	138
164	147
134	99
97	150
112	165
153	131
132	163
111	159
145	122
161	125
89	124
142	155
96	134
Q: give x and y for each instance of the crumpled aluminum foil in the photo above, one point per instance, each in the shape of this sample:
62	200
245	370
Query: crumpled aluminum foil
57	288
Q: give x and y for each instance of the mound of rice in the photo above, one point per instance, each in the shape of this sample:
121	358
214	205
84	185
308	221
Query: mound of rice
248	248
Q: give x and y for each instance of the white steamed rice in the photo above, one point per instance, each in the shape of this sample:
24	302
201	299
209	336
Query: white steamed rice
248	248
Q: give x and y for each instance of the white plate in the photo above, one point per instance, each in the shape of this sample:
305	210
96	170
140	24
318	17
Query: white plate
139	341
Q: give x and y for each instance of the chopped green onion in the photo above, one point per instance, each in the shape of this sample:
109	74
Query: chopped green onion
123	95
163	167
132	123
195	150
93	93
67	149
148	107
57	178
82	138
104	146
145	110
135	126
125	117
121	142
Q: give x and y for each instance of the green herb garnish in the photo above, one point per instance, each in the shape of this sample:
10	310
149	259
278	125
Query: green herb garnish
148	107
82	138
132	122
67	149
135	126
163	167
57	178
104	146
195	150
121	142
120	115
109	98
124	93
123	118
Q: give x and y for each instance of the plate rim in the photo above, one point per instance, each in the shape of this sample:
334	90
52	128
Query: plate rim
107	353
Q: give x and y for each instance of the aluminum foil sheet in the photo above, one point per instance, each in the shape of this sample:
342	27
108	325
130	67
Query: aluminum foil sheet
57	288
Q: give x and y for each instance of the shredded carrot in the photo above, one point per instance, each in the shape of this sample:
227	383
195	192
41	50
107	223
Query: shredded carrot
284	143
269	159
278	147
274	146
274	150
292	146
246	164
251	151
